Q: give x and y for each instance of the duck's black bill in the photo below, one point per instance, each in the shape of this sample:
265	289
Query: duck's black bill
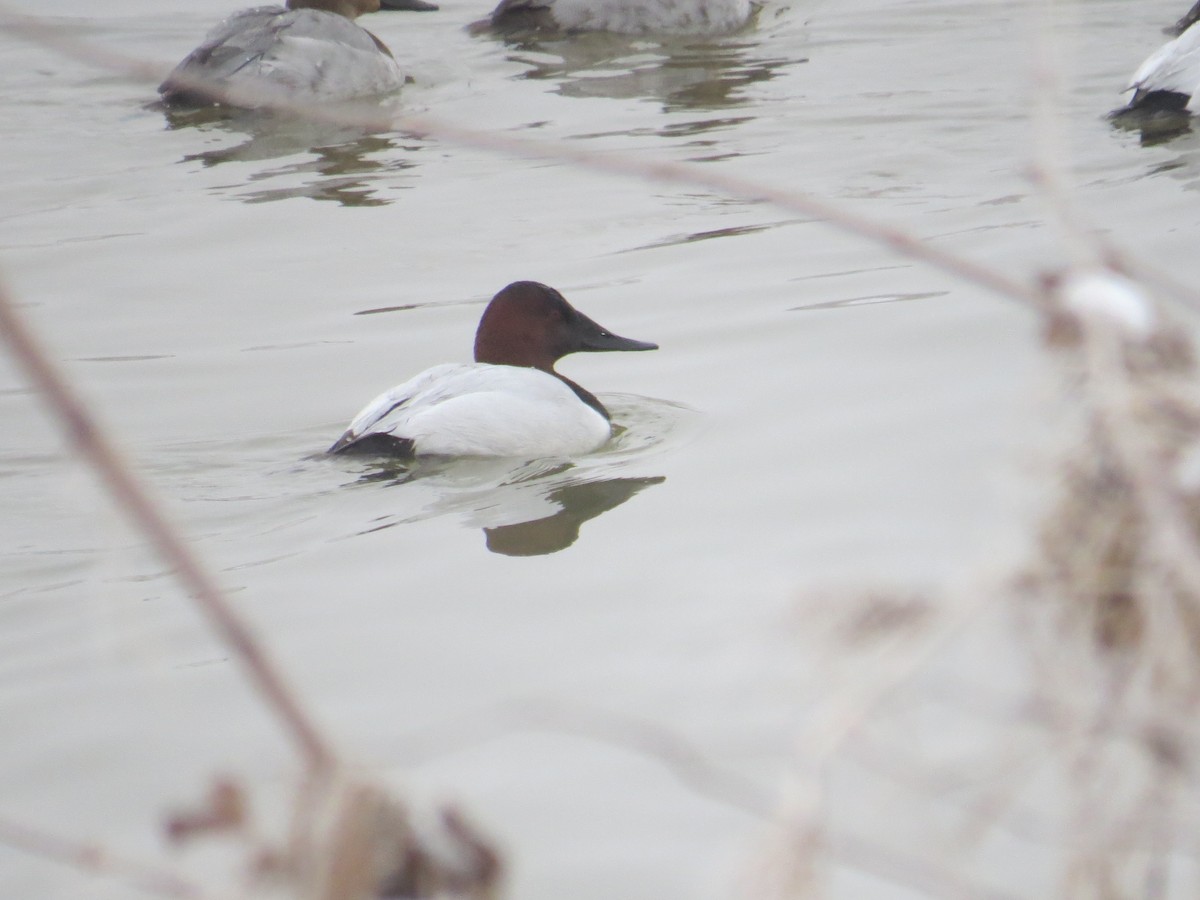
591	337
608	341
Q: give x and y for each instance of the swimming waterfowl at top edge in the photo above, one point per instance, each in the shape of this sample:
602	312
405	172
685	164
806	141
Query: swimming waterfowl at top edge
1169	77
634	17
1186	21
510	402
309	52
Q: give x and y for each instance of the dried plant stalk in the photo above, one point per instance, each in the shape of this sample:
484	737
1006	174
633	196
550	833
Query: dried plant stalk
374	118
134	499
94	858
366	845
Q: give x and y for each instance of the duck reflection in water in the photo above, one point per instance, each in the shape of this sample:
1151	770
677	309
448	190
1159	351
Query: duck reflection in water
680	72
338	163
578	503
1153	127
519	502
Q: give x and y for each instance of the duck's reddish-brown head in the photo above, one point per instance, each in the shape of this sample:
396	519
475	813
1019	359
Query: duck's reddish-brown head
530	324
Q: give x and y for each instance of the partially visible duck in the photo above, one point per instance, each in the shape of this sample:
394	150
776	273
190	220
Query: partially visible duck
310	51
510	402
678	17
1189	19
1170	76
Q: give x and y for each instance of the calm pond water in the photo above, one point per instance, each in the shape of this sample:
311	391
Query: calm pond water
821	411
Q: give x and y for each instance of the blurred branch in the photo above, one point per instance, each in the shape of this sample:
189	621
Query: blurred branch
896	239
94	858
1050	168
653	741
630	733
366	840
913	869
1151	276
49	34
135	500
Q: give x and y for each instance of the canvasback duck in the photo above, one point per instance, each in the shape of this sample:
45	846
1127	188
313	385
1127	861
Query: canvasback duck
310	51
510	402
1170	76
678	17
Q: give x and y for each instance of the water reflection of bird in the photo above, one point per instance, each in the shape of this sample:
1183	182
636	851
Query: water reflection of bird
321	161
522	513
682	73
310	51
578	503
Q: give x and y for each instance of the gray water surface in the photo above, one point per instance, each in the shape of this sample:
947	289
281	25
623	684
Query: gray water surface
821	411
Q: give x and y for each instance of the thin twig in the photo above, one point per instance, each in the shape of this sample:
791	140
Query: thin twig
897	239
919	871
1086	246
1051	167
656	742
629	733
94	858
50	34
1148	275
135	500
894	238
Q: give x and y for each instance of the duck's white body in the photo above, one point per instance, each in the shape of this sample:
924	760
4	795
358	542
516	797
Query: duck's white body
510	401
478	409
683	17
1173	68
270	55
